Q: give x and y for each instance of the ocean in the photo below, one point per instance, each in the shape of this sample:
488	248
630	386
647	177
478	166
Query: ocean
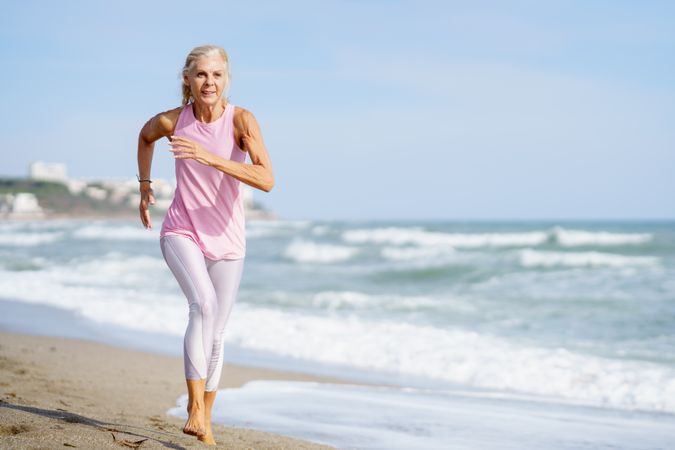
567	319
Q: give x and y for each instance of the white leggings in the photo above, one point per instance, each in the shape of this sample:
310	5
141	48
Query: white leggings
211	288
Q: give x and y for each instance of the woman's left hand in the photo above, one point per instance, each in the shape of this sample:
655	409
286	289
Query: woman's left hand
185	148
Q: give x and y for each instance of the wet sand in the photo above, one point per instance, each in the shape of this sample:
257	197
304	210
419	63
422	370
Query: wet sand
61	393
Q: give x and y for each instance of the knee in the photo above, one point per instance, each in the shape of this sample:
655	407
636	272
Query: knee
204	306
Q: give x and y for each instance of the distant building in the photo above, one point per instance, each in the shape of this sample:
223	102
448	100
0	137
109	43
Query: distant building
96	192
76	186
20	205
123	192
40	170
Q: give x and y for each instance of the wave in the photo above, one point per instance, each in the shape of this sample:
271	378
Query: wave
253	232
418	236
320	230
354	300
351	416
119	233
383	346
333	300
38	225
556	235
308	251
295	224
273	228
535	258
115	289
456	356
414	253
573	238
29	239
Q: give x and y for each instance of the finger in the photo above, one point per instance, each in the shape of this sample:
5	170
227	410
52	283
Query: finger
181	149
184	153
147	219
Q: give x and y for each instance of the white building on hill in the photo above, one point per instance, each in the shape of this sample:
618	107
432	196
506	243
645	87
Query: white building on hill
22	205
40	170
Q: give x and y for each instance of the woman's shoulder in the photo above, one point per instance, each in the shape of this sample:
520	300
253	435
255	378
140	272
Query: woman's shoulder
170	115
243	118
167	119
161	124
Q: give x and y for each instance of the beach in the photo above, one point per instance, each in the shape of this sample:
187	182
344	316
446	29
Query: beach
71	393
62	392
353	335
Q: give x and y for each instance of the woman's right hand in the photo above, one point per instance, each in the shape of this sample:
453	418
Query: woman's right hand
147	197
161	125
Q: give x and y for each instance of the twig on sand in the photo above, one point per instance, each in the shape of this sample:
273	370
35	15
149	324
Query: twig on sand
128	443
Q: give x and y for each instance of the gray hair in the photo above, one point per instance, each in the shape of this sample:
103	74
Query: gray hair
195	54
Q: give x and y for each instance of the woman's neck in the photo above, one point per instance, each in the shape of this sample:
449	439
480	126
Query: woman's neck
208	113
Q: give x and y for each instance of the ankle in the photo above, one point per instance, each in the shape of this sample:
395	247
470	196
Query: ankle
196	406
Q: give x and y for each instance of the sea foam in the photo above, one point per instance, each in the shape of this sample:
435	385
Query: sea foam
414	253
19	239
573	238
457	356
119	233
558	235
309	251
384	346
536	258
418	236
378	417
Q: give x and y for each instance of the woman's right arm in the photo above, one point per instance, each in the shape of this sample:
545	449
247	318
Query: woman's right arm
161	125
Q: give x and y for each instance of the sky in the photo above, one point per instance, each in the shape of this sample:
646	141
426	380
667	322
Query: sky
370	110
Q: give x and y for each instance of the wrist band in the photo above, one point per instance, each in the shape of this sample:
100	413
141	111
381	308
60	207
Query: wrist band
140	181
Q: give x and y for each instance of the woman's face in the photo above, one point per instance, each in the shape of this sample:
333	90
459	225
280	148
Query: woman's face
207	80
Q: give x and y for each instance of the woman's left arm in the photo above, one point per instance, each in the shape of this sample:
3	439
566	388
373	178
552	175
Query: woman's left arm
259	174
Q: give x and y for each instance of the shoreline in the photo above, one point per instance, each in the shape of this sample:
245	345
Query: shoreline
72	392
58	392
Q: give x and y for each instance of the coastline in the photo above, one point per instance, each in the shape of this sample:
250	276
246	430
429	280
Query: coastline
439	371
58	392
61	392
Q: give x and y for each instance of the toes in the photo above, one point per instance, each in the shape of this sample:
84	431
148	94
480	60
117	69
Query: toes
194	430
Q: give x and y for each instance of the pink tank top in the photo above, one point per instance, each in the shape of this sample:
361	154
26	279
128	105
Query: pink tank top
208	204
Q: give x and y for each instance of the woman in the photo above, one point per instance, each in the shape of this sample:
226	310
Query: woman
202	237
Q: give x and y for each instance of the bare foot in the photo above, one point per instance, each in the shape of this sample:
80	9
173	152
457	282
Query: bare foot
209	399
208	437
195	423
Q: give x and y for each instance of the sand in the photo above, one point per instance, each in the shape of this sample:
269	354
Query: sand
68	393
